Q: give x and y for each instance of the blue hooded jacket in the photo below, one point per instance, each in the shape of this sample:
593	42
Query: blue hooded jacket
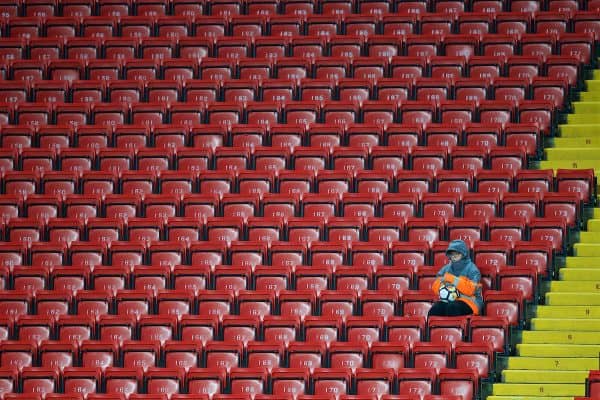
464	267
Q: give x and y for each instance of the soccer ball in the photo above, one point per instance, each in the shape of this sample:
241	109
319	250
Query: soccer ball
448	292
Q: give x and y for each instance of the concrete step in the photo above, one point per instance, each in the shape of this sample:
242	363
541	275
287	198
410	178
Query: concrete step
583	118
589	97
587	249
567	142
575	286
543	376
572	312
578	130
553	363
565	324
582	262
564	350
593	164
573	299
538	389
569	154
593	225
529	398
587	105
591	236
579	274
560	337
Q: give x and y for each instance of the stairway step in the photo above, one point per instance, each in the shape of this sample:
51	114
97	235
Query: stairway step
572	312
579	274
591	236
566	142
529	398
586	249
573	299
587	105
565	324
542	376
564	350
593	226
589	96
575	286
553	363
583	118
585	262
579	130
569	154
562	164
538	389
560	337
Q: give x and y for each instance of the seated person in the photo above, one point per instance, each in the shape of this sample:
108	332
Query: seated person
459	281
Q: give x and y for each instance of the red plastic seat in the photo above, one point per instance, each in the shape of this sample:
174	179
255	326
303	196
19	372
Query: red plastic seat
232	278
321	27
417	303
322	206
39	380
256	303
347	355
247	253
206	381
580	182
238	206
406	69
240	330
143	355
325	136
123	380
327	380
390	355
248	380
290	380
162	381
368	330
440	205
552	230
389	159
416	381
14	356
92	303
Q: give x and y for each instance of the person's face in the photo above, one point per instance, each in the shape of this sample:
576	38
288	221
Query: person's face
454	256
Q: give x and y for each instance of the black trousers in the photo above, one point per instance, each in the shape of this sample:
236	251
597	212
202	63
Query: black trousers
450	309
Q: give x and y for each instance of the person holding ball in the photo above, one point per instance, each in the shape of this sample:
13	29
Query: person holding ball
457	284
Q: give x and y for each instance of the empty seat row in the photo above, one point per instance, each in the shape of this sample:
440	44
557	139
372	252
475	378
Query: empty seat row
208	382
79	148
334	114
229	396
383	56
362	25
126	254
187	355
222	8
429	177
378	102
226	162
413	199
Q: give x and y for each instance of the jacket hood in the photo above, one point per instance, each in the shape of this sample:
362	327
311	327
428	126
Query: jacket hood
459	246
